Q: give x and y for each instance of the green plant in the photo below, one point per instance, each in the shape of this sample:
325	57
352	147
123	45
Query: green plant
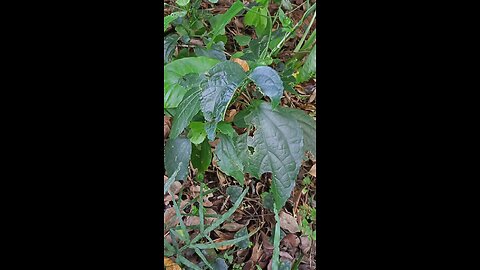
199	87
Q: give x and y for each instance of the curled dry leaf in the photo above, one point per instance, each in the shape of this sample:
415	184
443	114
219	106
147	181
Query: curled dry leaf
291	241
170	219
286	255
210	220
232	227
242	63
176	187
170	265
306	244
288	222
167	124
230	115
265	242
192	221
313	170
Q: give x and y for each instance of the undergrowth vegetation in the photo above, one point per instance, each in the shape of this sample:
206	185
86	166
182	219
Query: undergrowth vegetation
239	125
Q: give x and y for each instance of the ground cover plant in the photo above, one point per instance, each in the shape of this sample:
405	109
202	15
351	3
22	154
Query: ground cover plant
239	129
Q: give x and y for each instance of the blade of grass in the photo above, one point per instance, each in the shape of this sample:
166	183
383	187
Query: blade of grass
200	254
224	217
297	49
171	179
311	40
276	241
200	211
225	243
179	216
186	262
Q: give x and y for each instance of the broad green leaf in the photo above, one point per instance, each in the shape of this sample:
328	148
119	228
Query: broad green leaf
187	109
241	233
216	52
173	92
223	80
172	17
197	132
239	119
226	128
257	17
182	3
286	21
278	148
169	44
234	192
242	40
309	129
308	69
231	159
201	156
224	19
267	200
176	151
269	82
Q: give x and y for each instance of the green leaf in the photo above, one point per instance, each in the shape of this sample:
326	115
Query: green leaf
269	82
172	17
173	92
226	128
308	69
239	118
242	40
169	44
223	19
309	129
197	132
187	109
216	52
244	243
267	200
234	192
278	148
213	1
230	158
258	18
201	156
176	151
287	5
218	89
182	3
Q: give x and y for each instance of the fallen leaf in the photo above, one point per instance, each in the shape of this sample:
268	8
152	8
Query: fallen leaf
313	170
232	227
242	63
291	241
306	244
192	221
288	222
230	115
286	255
210	220
169	218
170	265
175	187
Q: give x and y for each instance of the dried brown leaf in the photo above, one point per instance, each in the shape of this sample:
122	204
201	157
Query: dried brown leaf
313	171
232	227
288	222
170	265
